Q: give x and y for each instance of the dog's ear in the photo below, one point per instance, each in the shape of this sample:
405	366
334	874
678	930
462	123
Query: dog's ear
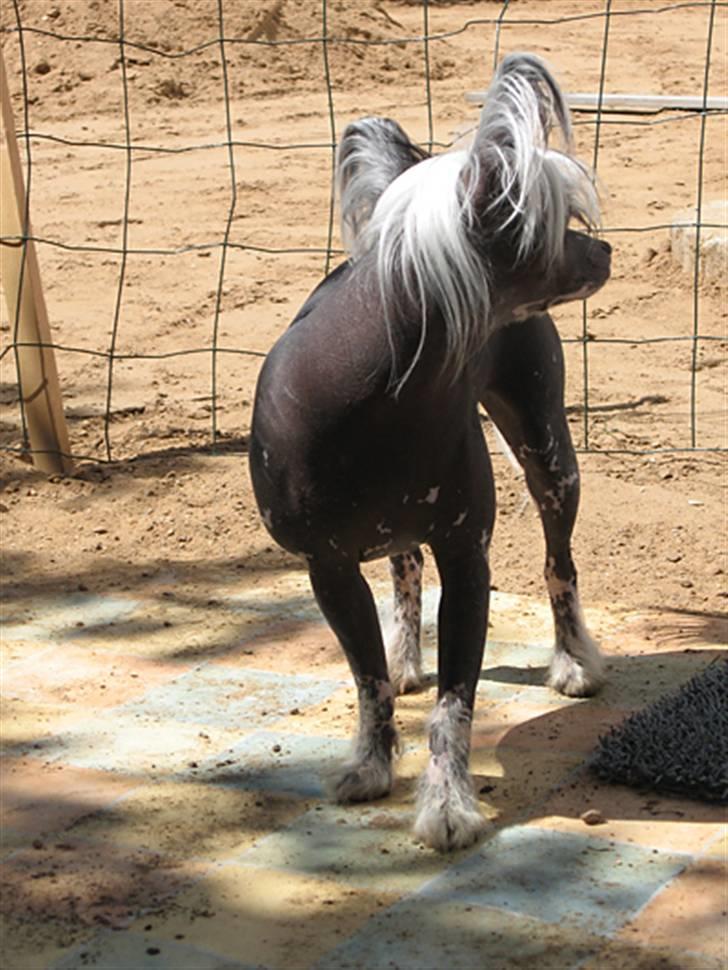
520	187
372	153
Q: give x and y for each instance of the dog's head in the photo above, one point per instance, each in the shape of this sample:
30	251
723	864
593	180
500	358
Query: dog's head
479	237
522	194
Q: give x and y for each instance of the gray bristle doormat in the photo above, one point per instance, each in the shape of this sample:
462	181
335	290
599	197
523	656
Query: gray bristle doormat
679	744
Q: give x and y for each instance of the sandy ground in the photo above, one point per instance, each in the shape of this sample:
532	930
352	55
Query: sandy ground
651	533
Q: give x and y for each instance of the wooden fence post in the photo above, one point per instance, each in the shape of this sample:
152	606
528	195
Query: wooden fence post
39	387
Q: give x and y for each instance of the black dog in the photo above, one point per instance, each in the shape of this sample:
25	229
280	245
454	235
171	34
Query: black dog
366	440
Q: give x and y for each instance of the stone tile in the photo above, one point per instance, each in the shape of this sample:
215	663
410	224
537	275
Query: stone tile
81	677
718	849
190	820
224	696
691	913
558	878
22	654
267	918
116	740
567	727
514	664
513	784
177	630
74	616
360	846
37	798
635	679
645	819
304	644
294	604
274	761
416	934
520	619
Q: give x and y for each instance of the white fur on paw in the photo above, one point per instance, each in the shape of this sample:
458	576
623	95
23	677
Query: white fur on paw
364	781
448	824
577	678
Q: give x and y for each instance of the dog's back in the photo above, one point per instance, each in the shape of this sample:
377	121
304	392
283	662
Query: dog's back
337	459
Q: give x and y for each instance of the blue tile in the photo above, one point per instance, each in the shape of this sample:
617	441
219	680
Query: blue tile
414	935
368	847
58	619
231	696
300	766
299	606
132	745
555	877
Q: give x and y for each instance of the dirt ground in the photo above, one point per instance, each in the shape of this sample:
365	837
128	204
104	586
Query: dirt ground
169	514
651	531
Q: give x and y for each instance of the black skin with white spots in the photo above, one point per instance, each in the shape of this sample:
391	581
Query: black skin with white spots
345	470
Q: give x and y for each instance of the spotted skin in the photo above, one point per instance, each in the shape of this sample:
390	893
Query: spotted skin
403	639
522	388
349	465
448	816
369	774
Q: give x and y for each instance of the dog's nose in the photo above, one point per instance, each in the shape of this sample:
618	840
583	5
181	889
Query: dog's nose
605	246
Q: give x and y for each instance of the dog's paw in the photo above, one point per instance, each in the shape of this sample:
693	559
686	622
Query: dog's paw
448	814
364	781
577	677
448	826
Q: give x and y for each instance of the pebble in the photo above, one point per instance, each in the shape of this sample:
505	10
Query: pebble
592	817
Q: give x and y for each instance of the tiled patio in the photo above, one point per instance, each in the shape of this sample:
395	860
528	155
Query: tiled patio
164	800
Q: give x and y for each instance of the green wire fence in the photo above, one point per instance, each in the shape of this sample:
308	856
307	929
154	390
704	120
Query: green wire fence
502	18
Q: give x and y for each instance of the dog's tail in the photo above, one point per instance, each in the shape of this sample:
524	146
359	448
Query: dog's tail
372	153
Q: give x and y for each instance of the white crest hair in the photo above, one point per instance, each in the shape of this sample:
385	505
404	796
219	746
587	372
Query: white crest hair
427	221
372	153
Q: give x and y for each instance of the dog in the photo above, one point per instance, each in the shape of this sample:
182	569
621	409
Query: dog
366	440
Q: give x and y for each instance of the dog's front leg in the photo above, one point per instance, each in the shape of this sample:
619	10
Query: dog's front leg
347	603
448	816
523	391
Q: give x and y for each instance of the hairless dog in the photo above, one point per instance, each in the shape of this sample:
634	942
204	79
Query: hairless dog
366	439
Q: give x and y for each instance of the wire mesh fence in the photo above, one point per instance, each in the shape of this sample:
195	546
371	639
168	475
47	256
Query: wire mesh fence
172	89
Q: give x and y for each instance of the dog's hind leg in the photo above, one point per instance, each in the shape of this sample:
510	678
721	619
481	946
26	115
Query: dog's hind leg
403	637
523	391
347	603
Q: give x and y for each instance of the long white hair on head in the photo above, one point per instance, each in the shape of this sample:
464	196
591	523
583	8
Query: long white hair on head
530	188
427	222
420	232
372	153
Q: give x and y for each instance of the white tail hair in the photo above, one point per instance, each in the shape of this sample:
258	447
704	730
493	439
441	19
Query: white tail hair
427	221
